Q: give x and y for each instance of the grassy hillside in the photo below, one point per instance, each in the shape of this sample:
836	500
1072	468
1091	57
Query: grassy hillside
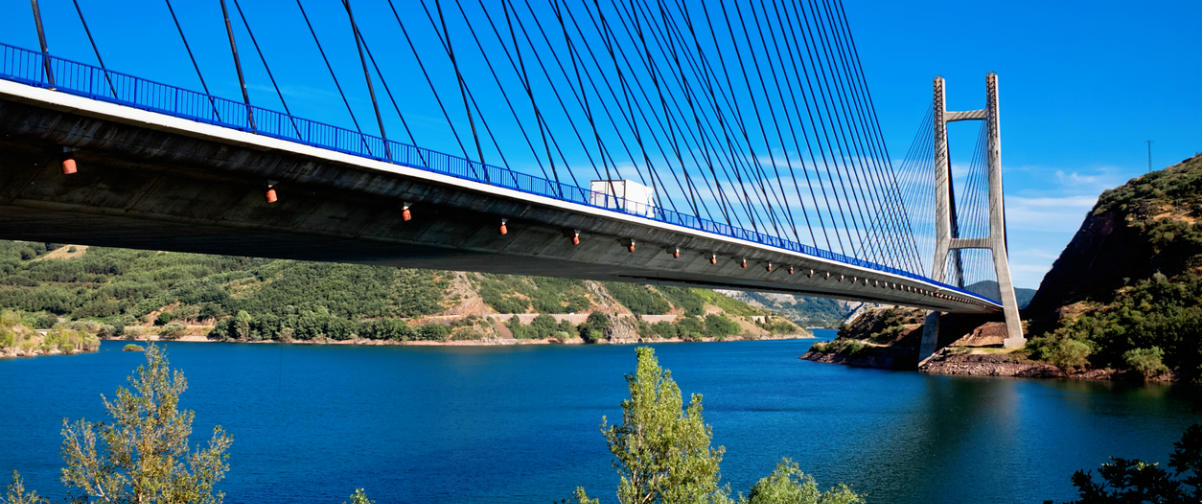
1127	291
177	294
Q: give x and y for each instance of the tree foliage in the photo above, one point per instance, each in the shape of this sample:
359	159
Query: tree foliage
1131	279
16	493
142	454
663	455
1135	481
360	497
662	452
1147	362
789	485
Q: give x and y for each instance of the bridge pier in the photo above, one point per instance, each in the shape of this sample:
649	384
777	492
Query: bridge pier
947	239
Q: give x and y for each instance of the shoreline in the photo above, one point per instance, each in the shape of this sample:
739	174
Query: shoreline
458	343
968	364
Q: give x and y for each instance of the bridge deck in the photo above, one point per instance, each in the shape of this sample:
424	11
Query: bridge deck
152	179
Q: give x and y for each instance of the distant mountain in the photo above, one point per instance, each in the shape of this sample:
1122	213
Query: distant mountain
989	289
806	311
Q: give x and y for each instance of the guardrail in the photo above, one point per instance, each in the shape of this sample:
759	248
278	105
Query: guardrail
81	79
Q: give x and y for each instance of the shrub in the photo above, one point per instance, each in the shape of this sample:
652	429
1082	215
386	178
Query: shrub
1068	354
389	329
163	318
466	333
640	299
597	327
690	328
663	329
433	332
789	485
544	326
130	347
44	320
174	330
718	326
1147	362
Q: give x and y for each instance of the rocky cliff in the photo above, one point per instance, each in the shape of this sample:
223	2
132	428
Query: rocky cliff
1126	293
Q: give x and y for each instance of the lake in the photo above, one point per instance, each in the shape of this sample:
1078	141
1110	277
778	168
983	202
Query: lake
520	424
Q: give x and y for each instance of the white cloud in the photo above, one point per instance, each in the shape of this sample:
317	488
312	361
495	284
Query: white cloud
1062	214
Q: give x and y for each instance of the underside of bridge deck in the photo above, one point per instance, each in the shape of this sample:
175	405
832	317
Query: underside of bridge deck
156	182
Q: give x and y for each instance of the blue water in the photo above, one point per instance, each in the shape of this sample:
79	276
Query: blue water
520	424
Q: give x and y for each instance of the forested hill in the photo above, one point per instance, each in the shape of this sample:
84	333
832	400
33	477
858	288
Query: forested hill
178	294
1127	291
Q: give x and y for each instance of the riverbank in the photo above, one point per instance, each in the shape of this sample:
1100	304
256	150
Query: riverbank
458	343
13	353
889	339
19	338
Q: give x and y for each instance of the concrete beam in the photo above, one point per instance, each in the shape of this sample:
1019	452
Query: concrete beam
970	243
966	115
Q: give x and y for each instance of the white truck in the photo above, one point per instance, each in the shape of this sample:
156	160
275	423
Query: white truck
627	195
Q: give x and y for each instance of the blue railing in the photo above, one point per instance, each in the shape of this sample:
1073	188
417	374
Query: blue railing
29	67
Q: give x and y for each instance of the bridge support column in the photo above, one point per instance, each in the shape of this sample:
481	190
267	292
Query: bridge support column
943	215
997	218
947	238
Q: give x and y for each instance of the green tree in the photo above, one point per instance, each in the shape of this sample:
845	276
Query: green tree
360	497
718	326
789	485
1148	362
595	328
17	495
240	328
664	457
143	455
1068	354
1126	481
663	451
174	330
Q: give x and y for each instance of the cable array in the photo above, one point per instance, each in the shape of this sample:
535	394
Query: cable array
756	114
973	218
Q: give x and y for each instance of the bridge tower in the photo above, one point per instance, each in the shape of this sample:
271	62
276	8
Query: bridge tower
947	240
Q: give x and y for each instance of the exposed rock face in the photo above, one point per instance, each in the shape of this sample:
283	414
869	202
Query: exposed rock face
954	361
1094	263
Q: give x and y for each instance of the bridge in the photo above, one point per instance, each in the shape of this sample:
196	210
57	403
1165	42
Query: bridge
775	181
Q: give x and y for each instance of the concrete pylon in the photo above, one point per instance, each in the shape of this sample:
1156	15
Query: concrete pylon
945	238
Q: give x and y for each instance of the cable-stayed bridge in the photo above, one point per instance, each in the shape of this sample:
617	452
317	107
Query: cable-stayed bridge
727	144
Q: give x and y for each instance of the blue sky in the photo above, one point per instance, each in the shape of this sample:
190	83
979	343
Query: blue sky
1083	84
